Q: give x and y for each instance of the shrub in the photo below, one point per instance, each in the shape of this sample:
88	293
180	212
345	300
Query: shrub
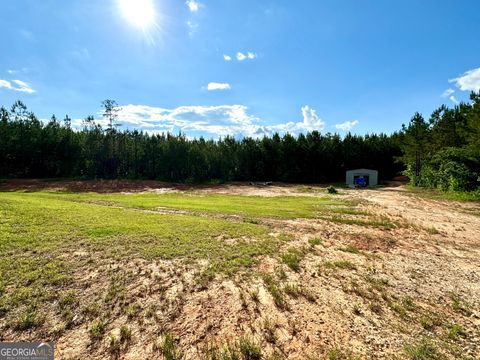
331	190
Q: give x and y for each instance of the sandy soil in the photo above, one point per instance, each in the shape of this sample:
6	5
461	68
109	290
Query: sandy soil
408	284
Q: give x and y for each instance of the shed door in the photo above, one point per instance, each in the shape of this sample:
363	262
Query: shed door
361	180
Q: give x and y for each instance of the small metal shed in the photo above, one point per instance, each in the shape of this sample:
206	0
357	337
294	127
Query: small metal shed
362	178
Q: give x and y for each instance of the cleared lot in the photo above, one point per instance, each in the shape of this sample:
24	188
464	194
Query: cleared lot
153	270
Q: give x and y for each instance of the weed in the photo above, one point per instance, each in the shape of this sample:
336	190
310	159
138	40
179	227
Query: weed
351	249
116	290
399	309
275	291
114	346
269	331
281	274
357	289
254	295
429	321
204	278
292	259
243	349
97	329
91	310
168	347
408	303
334	354
375	222
67	303
296	291
28	319
125	334
151	311
377	283
339	354
340	264
455	331
432	231
249	350
423	350
68	300
293	290
243	301
458	305
315	241
331	190
132	311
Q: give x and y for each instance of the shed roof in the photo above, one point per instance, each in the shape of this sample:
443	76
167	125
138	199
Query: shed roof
362	170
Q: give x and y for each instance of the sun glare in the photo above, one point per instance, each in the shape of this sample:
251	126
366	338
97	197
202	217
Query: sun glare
140	13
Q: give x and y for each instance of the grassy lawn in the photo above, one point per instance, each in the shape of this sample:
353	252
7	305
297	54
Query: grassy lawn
284	207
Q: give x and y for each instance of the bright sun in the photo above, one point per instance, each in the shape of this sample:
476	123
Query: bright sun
140	13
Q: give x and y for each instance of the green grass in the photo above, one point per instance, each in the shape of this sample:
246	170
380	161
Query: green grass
40	232
97	329
315	241
292	259
274	290
455	331
351	249
340	264
423	350
243	349
284	207
435	194
168	347
40	222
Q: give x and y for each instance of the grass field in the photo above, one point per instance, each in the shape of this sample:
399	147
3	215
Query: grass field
37	229
125	274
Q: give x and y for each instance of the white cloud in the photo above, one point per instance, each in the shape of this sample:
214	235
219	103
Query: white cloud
17	71
347	125
448	92
454	100
311	121
209	121
470	81
241	56
218	86
227	57
193	5
16	85
22	86
5	84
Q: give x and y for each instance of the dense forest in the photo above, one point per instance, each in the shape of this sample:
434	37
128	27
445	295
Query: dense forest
442	152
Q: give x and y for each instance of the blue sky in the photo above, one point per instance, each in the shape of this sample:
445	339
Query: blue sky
240	67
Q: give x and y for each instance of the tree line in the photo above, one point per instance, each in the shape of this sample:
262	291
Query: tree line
442	152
